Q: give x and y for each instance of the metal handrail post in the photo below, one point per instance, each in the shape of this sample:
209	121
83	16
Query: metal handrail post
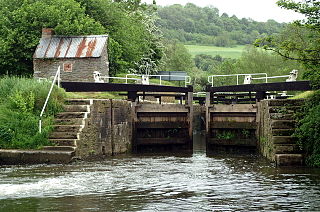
48	96
59	76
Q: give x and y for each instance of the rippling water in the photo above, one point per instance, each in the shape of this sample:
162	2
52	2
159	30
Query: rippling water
161	183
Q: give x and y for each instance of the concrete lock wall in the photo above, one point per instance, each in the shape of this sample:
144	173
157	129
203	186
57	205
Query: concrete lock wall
264	133
275	132
108	130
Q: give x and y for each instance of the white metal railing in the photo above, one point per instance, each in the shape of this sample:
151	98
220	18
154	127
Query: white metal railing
291	77
187	79
210	78
122	78
56	79
273	77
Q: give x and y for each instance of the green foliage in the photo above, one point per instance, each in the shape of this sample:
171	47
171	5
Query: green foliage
300	41
177	58
134	37
191	24
252	60
21	23
308	130
225	52
21	101
130	25
309	8
226	135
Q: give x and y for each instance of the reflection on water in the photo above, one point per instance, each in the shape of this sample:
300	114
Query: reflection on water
161	183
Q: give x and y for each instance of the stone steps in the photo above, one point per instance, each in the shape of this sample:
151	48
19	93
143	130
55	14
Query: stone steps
71	115
287	151
67	128
76	108
69	121
35	156
78	102
289	159
286	148
282	132
63	142
283	124
281	116
284	140
286	102
59	148
63	135
284	109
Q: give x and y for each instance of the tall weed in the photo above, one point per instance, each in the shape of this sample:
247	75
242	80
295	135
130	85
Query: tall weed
308	130
21	101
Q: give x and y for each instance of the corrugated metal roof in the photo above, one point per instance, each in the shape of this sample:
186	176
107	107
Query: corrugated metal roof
71	47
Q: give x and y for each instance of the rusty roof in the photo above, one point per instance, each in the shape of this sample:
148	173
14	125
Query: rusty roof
71	46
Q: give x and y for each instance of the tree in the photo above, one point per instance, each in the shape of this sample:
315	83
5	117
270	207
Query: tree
206	23
21	24
300	41
177	58
303	45
309	8
130	24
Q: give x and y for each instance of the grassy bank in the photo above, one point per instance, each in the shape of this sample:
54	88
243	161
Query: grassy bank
21	101
225	52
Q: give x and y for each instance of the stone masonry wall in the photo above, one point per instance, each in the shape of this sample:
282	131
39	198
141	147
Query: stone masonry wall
108	130
82	70
264	133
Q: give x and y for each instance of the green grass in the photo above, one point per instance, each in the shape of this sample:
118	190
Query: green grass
225	52
21	101
94	95
303	95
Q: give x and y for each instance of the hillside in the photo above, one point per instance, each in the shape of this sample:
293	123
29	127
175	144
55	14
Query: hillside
191	24
225	52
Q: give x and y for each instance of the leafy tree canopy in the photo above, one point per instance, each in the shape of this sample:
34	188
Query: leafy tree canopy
21	24
130	24
300	40
195	25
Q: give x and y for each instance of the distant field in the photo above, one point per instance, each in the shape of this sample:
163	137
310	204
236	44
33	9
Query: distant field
225	52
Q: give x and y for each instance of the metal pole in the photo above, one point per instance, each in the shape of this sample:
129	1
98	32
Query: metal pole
59	76
47	99
40	125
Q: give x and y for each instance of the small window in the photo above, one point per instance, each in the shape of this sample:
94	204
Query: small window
67	67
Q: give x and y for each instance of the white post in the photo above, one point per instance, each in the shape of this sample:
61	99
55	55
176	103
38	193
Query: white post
59	77
40	125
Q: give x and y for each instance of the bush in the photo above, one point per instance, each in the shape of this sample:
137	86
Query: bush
21	101
308	130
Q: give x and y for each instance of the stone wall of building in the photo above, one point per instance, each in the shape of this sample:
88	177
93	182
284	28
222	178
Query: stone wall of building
82	68
108	130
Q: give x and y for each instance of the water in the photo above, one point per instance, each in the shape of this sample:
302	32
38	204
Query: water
161	183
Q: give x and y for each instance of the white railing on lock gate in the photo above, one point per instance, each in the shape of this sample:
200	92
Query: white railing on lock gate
210	78
187	79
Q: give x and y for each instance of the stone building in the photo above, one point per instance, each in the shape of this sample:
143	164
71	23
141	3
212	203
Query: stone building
78	56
